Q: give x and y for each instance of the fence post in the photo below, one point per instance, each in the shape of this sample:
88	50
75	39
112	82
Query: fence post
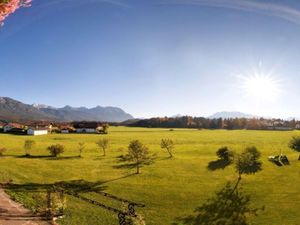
49	204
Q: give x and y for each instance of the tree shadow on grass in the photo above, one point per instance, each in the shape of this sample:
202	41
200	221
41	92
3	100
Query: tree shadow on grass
125	163
228	206
33	156
72	186
46	157
218	164
63	157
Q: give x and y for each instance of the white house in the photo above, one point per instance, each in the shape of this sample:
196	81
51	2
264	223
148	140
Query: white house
298	126
37	131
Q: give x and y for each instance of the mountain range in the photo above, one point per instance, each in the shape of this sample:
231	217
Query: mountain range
13	110
227	115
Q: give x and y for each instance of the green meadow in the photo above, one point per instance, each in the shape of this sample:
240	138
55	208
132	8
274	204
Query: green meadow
170	188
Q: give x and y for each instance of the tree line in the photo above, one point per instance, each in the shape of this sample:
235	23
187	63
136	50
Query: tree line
207	123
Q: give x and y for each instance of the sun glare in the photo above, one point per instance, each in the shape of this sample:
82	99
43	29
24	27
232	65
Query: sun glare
261	86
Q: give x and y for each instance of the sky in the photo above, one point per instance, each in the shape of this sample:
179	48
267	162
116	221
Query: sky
155	57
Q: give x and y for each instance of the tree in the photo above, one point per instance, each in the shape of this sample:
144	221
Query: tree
295	144
224	153
28	145
81	147
8	7
138	153
2	150
168	144
248	162
56	150
103	144
226	158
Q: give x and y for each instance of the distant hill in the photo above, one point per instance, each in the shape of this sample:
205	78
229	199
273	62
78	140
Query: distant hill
227	115
14	110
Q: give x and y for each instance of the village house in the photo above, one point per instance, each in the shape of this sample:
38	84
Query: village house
66	129
86	127
9	127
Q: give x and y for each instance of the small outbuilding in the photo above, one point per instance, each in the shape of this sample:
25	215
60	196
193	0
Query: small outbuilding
37	131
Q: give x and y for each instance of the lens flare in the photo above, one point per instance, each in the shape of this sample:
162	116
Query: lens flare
261	86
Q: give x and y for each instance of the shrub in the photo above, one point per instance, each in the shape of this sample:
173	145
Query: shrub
2	150
56	150
226	154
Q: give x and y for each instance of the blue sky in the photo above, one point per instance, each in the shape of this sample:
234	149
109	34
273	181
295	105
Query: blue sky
154	58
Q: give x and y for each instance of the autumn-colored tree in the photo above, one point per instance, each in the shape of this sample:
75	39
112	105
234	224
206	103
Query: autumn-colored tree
8	7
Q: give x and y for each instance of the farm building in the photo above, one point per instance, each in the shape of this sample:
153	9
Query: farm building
12	126
37	131
66	130
86	127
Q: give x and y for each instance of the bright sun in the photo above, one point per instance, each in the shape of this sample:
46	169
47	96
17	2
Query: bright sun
261	86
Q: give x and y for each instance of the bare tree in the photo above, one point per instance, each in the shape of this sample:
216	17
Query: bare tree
103	144
168	144
81	147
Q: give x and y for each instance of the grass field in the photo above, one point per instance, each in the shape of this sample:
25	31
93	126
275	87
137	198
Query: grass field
169	188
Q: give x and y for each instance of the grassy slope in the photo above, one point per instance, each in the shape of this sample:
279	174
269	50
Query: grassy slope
169	188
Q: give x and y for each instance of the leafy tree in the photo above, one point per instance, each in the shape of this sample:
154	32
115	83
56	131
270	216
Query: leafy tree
81	147
2	150
227	207
295	144
56	150
226	158
138	153
8	7
168	144
226	154
103	144
28	145
248	162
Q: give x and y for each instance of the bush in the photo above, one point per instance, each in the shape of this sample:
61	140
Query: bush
2	150
56	150
225	153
